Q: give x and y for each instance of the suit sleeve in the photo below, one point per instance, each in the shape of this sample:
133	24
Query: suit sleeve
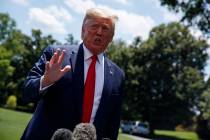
32	83
115	122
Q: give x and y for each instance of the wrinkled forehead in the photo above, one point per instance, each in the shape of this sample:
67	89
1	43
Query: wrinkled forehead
102	21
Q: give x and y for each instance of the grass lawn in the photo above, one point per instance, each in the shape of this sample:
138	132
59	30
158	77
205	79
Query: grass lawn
123	137
13	123
176	135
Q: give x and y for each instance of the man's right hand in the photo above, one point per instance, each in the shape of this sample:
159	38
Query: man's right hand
53	69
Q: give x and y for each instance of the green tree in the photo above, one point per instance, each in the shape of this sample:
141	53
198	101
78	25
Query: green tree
7	26
70	40
203	120
122	55
18	54
195	12
164	76
6	71
30	49
205	104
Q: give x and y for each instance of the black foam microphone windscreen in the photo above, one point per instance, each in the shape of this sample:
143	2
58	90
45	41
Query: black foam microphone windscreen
62	134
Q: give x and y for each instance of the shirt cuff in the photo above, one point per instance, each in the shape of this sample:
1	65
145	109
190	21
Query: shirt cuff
41	88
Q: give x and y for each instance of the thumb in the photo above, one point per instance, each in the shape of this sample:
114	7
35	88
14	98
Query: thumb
66	69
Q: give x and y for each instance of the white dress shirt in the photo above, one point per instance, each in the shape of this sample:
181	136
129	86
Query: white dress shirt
99	82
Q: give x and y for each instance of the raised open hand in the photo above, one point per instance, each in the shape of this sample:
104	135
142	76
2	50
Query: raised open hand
53	69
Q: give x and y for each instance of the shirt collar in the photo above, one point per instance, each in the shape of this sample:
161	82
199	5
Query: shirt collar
88	54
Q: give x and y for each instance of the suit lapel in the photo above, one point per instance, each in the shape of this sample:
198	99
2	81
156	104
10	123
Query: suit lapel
108	73
73	58
77	64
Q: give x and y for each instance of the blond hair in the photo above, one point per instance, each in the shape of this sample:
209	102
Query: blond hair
95	13
100	13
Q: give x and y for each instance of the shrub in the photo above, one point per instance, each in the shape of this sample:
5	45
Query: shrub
11	102
180	127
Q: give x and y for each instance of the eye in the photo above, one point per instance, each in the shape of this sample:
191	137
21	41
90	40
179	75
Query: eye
94	27
105	28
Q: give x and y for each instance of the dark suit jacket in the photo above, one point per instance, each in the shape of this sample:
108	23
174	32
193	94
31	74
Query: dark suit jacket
61	105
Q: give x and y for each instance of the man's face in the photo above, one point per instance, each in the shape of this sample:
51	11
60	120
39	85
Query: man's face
97	34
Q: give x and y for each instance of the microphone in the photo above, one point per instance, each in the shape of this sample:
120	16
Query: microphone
84	131
62	134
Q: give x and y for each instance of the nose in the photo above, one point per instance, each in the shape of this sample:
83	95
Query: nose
99	31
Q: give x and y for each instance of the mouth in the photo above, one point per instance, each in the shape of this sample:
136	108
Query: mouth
97	41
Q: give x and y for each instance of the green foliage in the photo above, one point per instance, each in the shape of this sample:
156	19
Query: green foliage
19	52
164	75
170	75
195	12
11	102
70	40
7	26
203	120
5	67
205	104
122	55
6	72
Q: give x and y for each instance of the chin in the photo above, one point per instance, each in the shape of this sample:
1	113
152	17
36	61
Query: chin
96	52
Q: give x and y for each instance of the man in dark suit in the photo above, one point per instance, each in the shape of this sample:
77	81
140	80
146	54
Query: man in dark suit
75	84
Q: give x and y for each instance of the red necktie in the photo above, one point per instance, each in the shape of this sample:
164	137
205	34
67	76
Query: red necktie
89	91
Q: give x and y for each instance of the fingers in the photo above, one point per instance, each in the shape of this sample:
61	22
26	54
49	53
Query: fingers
55	64
66	69
61	57
57	54
55	57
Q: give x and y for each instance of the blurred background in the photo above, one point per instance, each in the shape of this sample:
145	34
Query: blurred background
162	45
